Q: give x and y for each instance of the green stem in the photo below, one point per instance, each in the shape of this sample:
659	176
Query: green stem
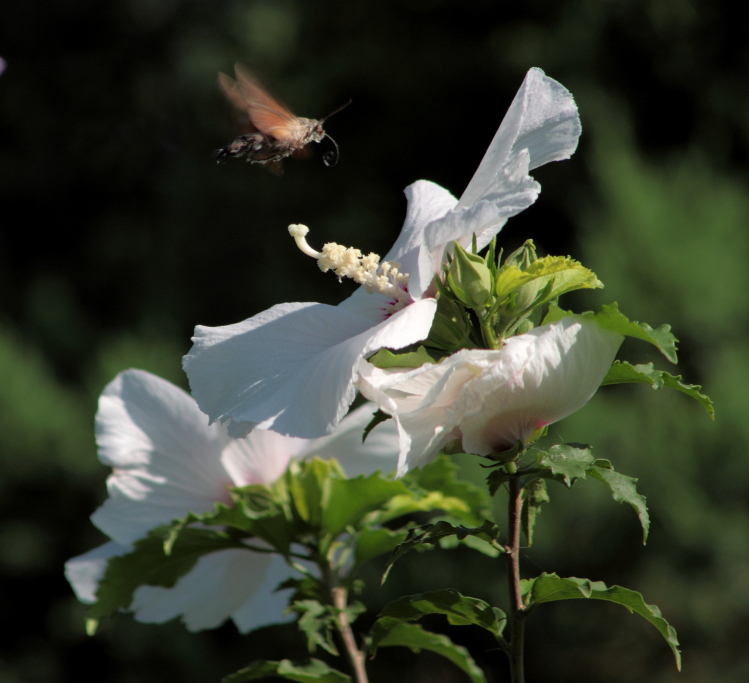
488	331
517	610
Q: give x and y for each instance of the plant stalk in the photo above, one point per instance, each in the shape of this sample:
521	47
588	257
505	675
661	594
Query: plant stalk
355	655
517	611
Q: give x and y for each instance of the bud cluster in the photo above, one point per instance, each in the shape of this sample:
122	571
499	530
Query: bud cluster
484	300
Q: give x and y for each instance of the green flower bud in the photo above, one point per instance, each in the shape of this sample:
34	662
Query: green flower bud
469	278
523	257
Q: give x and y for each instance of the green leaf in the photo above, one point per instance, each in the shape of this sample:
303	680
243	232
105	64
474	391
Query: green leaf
416	639
307	671
350	500
534	496
550	587
622	372
624	491
610	318
309	485
430	534
567	461
148	564
385	358
272	525
543	280
442	475
459	610
317	622
373	542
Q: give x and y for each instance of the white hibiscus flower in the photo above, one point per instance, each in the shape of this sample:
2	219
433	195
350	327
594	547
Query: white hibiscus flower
492	400
293	367
167	461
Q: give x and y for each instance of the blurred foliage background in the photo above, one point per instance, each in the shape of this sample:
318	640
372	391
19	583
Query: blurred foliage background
120	233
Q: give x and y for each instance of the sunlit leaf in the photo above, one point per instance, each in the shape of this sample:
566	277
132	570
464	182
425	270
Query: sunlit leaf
551	276
373	542
385	358
442	475
349	500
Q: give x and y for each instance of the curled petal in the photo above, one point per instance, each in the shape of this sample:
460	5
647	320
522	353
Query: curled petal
543	119
493	399
542	377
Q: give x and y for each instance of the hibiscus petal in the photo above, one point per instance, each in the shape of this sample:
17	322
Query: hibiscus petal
494	398
291	368
166	457
84	572
542	118
378	452
140	413
540	378
421	401
261	457
266	606
217	586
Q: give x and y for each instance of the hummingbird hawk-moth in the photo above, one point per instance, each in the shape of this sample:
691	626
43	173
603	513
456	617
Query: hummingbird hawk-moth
271	131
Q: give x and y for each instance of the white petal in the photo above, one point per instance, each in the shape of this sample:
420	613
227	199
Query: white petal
494	398
421	400
261	457
427	202
378	452
217	586
542	118
291	368
166	458
425	431
140	413
84	572
541	377
267	605
542	125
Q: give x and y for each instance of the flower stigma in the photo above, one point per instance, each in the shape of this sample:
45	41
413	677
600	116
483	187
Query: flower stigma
382	277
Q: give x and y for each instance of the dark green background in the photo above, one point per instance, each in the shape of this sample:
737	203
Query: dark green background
120	233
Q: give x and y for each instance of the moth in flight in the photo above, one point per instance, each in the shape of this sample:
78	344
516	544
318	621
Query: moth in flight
270	131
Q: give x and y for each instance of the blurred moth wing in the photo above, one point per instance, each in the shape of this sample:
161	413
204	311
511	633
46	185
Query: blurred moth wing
271	131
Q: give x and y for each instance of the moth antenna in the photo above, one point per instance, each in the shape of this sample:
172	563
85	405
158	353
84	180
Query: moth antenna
341	108
330	158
